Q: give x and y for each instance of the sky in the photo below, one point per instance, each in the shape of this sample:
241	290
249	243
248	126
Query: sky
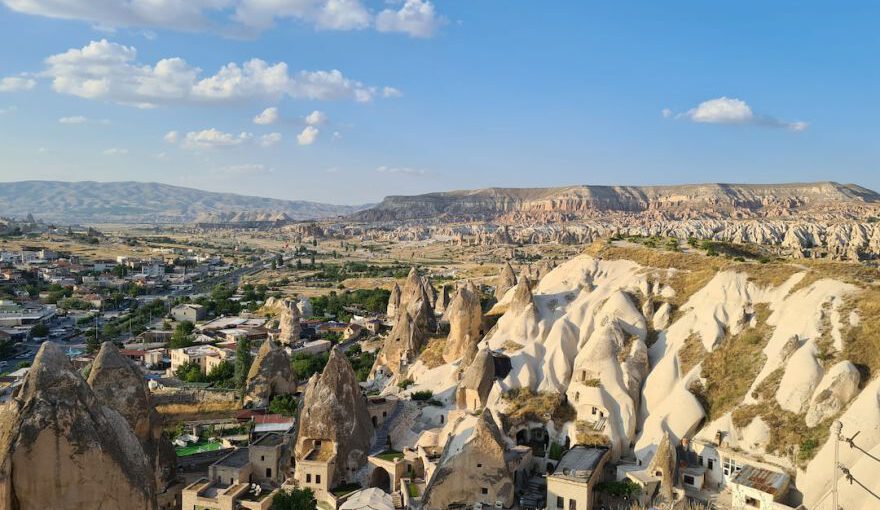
348	101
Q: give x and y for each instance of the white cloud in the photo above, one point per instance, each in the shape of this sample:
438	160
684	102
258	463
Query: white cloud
115	151
80	119
391	92
666	113
726	110
109	71
10	109
323	14
267	116
212	138
16	84
401	170
172	137
315	118
308	135
416	18
235	17
207	139
269	140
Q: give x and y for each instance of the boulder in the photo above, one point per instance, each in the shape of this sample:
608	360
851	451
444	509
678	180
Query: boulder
465	316
334	412
61	448
270	374
119	384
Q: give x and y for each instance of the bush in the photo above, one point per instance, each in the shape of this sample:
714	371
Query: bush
284	405
422	395
406	383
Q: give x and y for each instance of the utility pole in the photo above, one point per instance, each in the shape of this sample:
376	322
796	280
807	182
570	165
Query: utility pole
836	429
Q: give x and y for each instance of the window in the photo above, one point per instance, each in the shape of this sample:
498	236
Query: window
484	490
700	459
710	464
268	472
308	478
730	467
479	465
595	410
572	504
577	396
262	457
318	479
688	479
753	502
560	502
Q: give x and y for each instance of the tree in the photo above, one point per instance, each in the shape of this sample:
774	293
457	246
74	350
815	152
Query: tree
243	361
182	336
39	330
223	374
296	499
285	405
190	372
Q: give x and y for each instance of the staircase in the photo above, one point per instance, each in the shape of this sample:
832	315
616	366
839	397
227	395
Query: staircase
380	440
600	425
397	498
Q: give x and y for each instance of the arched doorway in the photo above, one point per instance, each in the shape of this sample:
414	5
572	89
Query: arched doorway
381	479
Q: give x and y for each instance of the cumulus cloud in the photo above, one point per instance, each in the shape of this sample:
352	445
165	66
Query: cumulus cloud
235	17
401	170
308	135
16	84
416	18
267	116
391	92
269	140
207	139
115	151
109	71
726	110
80	119
315	118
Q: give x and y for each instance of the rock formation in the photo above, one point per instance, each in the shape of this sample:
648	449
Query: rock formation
476	382
393	302
334	412
288	321
270	375
415	300
61	448
838	387
442	302
664	466
465	316
522	295
119	384
402	345
470	463
506	281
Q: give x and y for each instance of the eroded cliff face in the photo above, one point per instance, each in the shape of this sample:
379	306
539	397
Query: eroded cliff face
119	385
651	347
61	448
675	202
465	317
334	412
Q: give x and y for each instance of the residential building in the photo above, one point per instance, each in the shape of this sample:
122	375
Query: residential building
206	356
188	312
571	485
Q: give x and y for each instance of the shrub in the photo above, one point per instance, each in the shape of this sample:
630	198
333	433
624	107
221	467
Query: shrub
422	395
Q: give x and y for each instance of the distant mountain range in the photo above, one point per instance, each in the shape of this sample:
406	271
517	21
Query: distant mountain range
680	202
141	202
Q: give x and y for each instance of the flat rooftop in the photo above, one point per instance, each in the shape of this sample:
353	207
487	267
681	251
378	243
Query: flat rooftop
269	440
764	480
580	462
236	459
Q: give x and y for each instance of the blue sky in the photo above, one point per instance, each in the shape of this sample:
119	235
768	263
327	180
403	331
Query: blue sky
415	96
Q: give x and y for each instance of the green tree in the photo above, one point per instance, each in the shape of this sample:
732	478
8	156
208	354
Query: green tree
190	372
296	499
39	330
284	405
223	374
243	361
182	336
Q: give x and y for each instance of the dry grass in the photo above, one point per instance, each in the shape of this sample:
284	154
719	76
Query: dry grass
766	389
862	342
585	435
524	405
511	346
730	369
432	354
691	353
